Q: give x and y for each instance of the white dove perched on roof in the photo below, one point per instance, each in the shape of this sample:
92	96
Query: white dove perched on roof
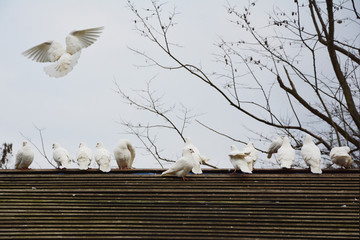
198	158
24	157
182	166
102	157
311	155
66	59
274	146
286	154
61	156
341	157
84	156
124	153
238	160
251	156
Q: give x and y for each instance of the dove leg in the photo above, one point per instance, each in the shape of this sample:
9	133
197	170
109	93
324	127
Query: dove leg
185	179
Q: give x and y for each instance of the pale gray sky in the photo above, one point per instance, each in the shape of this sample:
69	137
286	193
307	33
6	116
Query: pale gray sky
82	106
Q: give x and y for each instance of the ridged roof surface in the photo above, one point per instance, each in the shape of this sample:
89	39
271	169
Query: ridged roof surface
268	204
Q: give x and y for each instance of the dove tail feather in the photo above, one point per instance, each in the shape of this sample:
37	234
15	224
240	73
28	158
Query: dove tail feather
105	168
269	155
315	170
62	67
66	164
83	165
168	172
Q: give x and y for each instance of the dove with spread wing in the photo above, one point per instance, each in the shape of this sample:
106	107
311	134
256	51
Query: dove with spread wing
64	59
251	155
239	161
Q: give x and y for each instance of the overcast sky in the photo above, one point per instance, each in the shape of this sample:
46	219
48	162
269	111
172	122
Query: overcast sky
82	106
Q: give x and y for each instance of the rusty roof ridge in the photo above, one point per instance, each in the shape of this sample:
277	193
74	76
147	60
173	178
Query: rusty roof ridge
158	171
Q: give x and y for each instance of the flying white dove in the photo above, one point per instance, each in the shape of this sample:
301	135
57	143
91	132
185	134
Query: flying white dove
24	157
53	51
124	154
341	157
61	156
102	157
238	160
274	146
251	155
182	166
311	155
198	158
84	156
286	154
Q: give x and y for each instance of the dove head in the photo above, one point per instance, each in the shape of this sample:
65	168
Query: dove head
188	140
99	145
188	151
308	139
346	148
55	145
233	148
82	145
250	144
286	140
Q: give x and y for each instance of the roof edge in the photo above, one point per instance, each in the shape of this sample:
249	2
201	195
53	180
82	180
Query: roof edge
154	171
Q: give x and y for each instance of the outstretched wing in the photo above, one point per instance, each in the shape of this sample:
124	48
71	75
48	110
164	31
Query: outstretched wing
39	53
77	40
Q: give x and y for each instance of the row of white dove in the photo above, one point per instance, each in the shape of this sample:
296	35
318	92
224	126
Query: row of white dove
191	159
124	153
245	159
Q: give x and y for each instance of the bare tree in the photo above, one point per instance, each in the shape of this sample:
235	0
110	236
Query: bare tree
173	119
314	70
5	155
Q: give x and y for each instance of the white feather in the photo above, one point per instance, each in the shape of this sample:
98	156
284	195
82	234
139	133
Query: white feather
24	157
274	146
102	157
124	153
197	156
61	156
182	166
251	156
52	51
84	156
63	66
341	157
286	154
311	155
240	159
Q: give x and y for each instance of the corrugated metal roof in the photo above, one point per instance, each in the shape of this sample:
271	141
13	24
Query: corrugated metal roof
269	204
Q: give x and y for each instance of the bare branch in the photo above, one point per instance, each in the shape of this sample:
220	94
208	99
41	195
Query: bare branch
42	150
